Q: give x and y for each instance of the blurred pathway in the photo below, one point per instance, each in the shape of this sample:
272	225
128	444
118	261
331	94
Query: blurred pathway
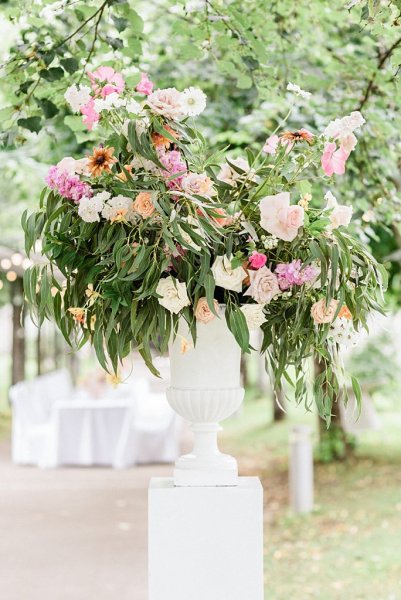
73	534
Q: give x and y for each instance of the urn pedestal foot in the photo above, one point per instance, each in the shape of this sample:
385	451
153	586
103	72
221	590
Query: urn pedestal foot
205	465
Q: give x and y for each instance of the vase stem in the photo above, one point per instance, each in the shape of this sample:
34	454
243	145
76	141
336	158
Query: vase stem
205	439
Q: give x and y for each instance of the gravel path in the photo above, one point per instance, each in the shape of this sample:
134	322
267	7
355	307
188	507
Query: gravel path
73	534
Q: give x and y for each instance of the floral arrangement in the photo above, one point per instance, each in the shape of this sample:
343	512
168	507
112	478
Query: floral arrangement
150	227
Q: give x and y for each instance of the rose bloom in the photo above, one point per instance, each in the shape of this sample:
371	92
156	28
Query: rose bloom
264	286
167	103
203	313
224	219
322	313
198	184
143	205
257	260
279	218
173	294
254	315
227	277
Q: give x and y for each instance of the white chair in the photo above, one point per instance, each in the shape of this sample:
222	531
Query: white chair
33	428
152	436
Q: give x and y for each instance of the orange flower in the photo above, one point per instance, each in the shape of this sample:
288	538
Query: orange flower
78	314
122	176
224	219
101	160
345	313
162	142
143	205
293	137
119	216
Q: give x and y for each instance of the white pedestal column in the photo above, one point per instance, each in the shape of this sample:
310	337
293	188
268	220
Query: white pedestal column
206	543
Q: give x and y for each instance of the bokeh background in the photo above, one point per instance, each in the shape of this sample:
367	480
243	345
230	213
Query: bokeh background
242	53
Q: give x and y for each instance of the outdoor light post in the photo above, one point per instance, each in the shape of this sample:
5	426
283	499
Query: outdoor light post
301	469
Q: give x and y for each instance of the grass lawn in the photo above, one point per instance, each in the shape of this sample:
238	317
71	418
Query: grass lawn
349	548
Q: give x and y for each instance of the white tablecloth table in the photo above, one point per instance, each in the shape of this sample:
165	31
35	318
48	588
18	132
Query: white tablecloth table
88	432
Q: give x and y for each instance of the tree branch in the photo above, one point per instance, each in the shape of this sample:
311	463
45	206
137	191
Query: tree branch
380	65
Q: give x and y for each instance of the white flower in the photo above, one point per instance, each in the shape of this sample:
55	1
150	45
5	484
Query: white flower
81	166
167	103
133	107
227	277
340	213
173	294
77	96
342	129
230	175
254	315
74	167
342	332
193	101
117	208
138	163
67	164
293	87
89	208
109	102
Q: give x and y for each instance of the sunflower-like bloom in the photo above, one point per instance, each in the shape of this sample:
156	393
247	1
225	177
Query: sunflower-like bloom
101	160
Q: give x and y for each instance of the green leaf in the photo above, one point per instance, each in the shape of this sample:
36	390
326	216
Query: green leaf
31	123
52	74
49	109
71	65
356	388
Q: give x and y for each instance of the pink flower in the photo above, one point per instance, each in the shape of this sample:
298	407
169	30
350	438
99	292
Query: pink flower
174	164
69	186
333	161
264	286
145	86
279	218
90	115
114	81
294	273
257	260
271	144
167	102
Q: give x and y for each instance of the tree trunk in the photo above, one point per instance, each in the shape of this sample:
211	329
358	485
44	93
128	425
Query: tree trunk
18	334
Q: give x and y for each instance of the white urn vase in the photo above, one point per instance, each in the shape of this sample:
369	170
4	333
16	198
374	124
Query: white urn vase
205	389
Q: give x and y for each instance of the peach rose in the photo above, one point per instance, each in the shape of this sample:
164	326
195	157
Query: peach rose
322	313
203	313
279	218
263	286
143	205
199	184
